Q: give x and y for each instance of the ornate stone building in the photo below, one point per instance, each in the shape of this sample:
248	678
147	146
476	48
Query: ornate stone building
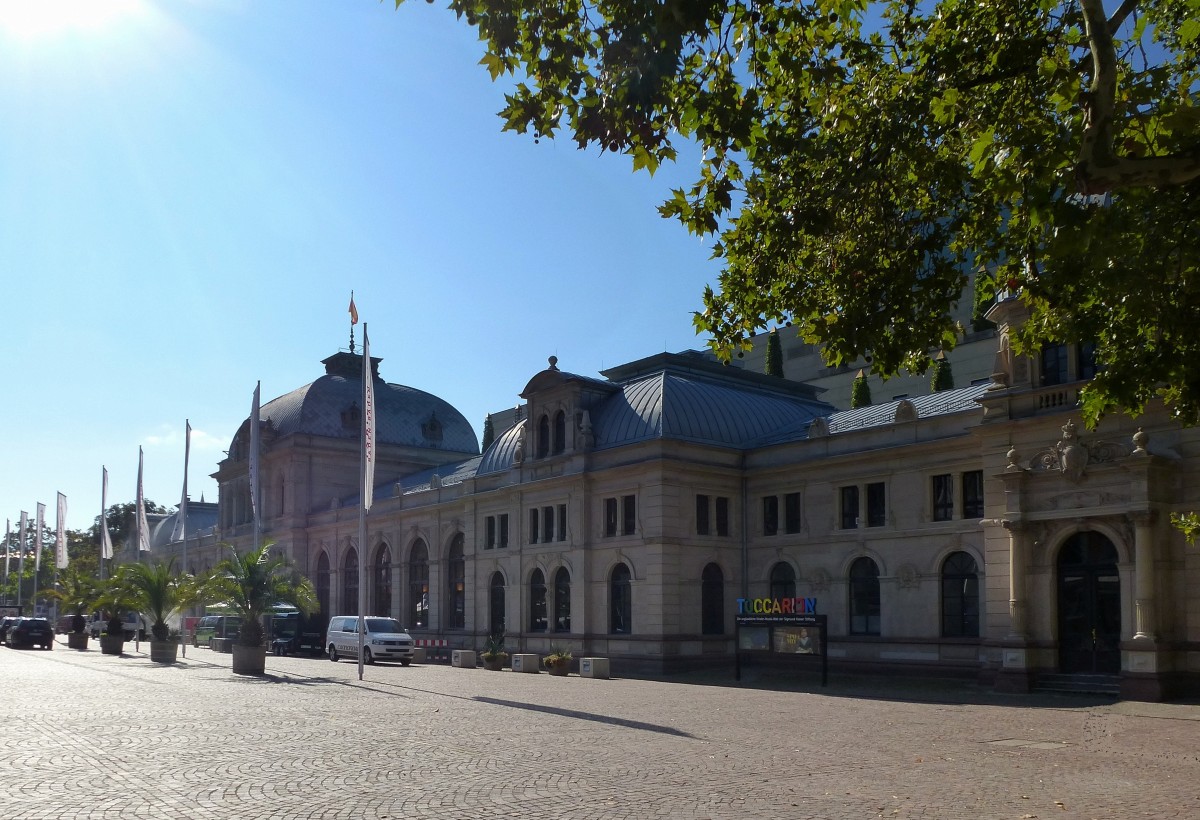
977	531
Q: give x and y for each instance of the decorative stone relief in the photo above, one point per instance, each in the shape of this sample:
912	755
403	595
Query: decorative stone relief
519	453
818	428
585	431
435	481
1071	457
905	411
818	579
907	577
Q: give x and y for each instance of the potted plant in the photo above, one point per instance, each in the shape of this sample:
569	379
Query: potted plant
114	598
161	593
493	654
252	583
558	662
76	590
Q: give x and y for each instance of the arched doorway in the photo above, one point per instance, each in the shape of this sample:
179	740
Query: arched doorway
1089	605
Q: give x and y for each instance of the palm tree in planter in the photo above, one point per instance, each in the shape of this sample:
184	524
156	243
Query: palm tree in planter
161	593
253	583
114	597
76	591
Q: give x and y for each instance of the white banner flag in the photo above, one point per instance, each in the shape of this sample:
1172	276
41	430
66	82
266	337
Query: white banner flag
254	499
105	538
60	534
368	431
143	534
37	539
21	547
180	531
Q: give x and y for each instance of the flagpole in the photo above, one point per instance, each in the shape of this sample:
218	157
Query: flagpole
366	487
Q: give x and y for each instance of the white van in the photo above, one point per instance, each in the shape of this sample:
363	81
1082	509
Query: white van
385	640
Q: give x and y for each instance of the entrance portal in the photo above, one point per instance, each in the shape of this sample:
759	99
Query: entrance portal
1089	606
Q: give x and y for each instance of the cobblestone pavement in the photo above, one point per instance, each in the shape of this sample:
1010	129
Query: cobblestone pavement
85	735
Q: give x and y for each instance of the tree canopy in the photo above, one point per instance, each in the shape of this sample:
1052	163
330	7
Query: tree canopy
865	163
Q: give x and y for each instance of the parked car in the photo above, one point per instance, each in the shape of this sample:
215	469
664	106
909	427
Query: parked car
135	625
31	632
6	624
215	626
385	640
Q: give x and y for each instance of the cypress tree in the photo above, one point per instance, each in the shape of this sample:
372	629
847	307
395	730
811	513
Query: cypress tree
943	379
489	434
774	355
860	393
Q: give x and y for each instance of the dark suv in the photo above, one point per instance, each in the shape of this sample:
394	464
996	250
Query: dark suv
31	632
6	623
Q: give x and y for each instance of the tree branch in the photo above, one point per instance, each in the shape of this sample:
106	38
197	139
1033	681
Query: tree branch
1099	169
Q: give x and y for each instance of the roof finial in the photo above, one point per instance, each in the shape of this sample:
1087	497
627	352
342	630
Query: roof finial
553	362
353	320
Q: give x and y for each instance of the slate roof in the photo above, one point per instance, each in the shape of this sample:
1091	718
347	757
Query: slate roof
403	415
935	404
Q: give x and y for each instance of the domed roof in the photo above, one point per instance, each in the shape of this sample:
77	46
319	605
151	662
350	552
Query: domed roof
331	406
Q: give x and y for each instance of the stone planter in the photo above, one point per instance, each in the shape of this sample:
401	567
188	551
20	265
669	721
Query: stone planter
112	644
164	651
560	669
493	664
77	640
249	660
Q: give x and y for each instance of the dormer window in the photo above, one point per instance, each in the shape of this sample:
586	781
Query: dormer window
352	417
432	428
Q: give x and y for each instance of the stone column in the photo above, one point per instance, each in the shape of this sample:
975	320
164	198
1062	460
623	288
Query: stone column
1143	568
1017	537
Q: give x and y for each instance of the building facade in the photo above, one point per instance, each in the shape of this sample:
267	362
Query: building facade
977	531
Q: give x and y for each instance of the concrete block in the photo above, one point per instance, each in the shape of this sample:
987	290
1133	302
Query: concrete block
593	668
463	658
526	663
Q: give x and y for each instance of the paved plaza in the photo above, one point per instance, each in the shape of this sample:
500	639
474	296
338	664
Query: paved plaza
85	735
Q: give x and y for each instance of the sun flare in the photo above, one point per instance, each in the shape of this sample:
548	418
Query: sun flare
32	19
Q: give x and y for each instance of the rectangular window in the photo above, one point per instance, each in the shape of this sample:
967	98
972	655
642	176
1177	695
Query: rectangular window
503	536
562	522
547	524
533	525
490	543
943	497
628	515
849	508
972	483
610	517
722	516
791	513
770	508
1054	365
876	505
701	514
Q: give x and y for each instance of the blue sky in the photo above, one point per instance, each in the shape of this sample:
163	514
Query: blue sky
189	191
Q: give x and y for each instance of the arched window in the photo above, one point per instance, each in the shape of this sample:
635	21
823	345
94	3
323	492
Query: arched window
322	584
383	581
712	601
620	602
456	593
496	605
562	600
418	586
864	597
960	596
538	621
543	436
350	582
560	432
783	581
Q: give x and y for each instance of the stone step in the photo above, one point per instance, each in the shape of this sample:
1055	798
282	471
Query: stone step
1079	684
